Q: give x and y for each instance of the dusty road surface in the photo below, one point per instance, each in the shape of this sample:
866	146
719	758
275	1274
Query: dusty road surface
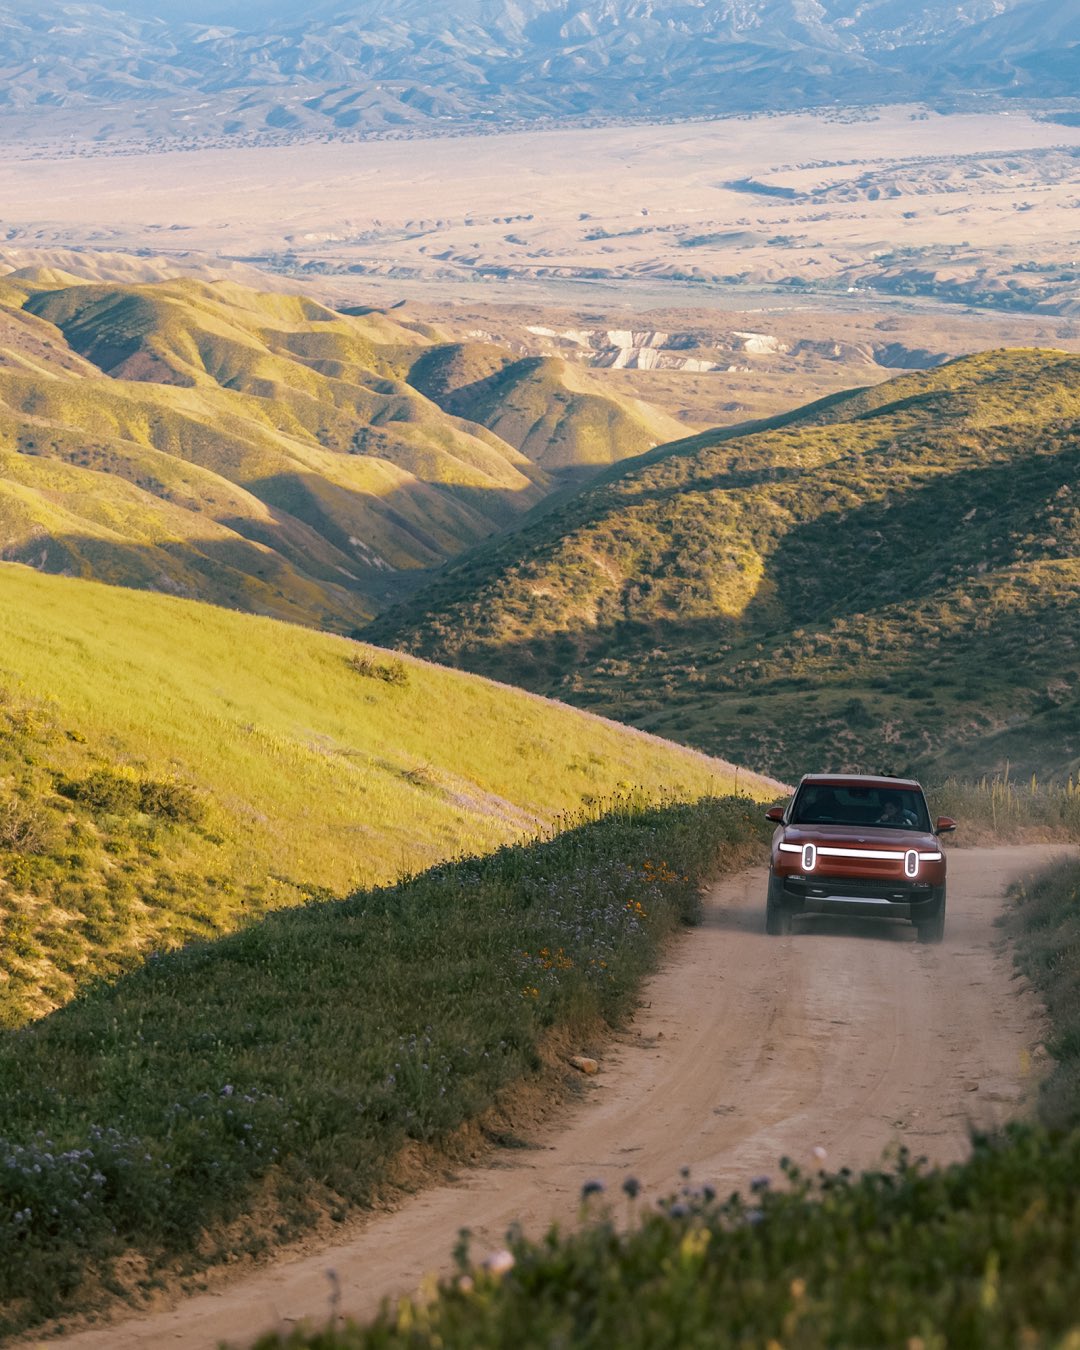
847	1036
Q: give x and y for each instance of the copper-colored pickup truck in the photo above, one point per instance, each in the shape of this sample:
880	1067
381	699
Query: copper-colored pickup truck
858	844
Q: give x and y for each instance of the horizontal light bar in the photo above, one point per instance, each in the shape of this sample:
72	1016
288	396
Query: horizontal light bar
861	853
885	854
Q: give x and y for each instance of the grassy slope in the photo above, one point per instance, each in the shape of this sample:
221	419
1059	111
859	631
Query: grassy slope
256	450
313	776
886	577
238	433
544	406
237	1092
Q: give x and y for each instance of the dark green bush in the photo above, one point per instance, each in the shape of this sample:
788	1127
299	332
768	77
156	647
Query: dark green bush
120	794
171	801
390	672
104	790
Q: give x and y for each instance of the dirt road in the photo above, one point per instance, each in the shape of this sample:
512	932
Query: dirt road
846	1036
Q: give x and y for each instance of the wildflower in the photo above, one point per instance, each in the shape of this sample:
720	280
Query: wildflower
632	1187
498	1263
759	1184
819	1153
592	1188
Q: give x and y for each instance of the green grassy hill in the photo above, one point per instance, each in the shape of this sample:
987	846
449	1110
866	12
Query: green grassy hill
169	770
888	577
544	406
257	450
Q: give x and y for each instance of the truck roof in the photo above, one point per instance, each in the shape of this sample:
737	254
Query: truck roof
860	780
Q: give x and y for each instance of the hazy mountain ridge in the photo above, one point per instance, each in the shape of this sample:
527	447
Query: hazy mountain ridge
377	66
888	576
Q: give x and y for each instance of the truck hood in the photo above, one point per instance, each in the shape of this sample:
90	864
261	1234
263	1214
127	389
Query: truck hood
862	836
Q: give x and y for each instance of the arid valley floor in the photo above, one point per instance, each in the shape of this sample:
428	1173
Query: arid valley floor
722	269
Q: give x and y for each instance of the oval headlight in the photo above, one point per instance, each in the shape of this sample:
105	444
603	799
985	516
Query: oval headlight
809	857
911	864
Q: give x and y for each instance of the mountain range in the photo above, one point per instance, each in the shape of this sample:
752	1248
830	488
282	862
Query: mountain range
210	69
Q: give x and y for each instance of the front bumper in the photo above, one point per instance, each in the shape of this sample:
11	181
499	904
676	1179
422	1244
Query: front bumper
894	899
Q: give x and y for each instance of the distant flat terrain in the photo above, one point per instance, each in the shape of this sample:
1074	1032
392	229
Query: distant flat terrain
902	202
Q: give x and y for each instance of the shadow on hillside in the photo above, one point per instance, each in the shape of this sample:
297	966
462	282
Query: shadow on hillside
917	538
933	682
930	525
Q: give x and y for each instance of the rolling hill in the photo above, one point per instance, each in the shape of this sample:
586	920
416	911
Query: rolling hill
253	449
169	770
544	406
886	577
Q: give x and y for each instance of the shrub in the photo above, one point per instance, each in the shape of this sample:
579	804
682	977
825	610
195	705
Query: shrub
390	672
104	790
119	794
171	801
25	827
17	870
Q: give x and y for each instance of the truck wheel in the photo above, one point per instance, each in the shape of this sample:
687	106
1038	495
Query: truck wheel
933	930
777	918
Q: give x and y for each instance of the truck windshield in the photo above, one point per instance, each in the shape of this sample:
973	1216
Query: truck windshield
837	804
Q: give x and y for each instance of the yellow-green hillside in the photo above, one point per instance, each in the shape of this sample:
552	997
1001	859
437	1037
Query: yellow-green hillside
888	577
254	449
170	769
547	407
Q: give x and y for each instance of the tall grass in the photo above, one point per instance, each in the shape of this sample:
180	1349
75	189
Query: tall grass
1001	810
281	1070
1044	921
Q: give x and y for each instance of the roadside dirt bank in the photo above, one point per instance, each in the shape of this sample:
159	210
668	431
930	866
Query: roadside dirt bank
846	1036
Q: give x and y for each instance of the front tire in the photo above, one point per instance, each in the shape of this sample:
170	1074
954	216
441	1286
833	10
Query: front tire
933	930
777	918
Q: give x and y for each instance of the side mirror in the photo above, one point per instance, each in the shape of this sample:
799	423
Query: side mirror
944	825
776	813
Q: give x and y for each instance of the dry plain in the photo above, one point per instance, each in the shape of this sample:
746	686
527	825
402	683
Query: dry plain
739	202
722	269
